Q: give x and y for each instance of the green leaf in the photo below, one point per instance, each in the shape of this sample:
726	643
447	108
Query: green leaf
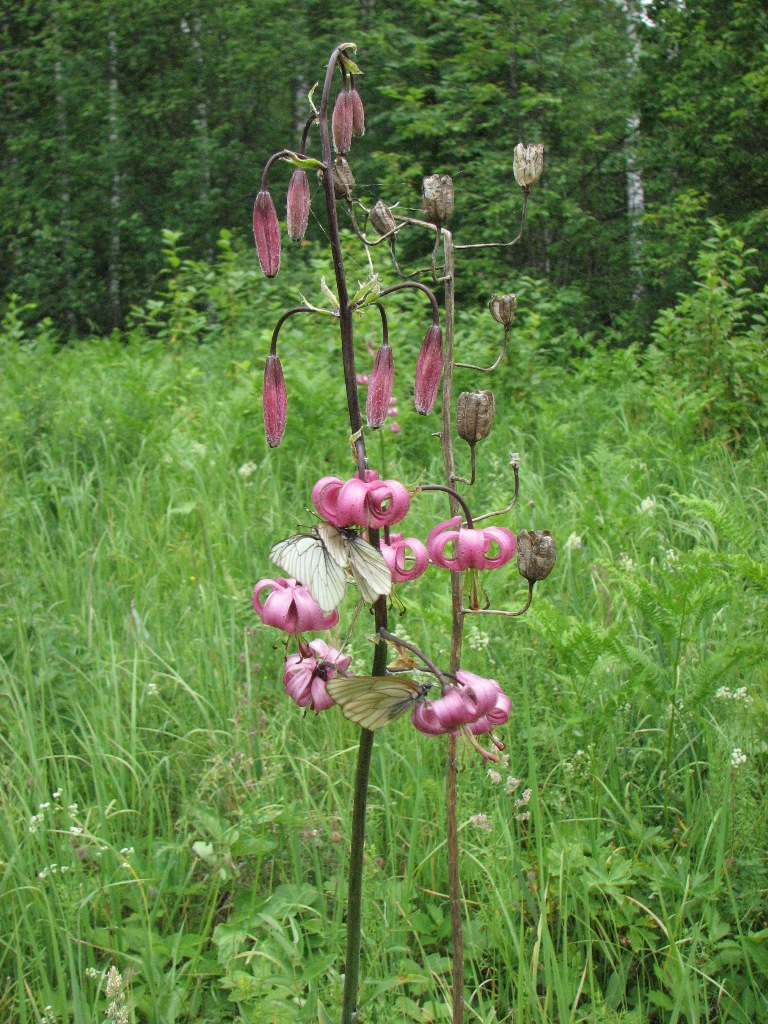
307	163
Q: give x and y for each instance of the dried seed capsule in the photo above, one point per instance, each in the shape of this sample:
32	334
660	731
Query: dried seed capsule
358	113
528	164
266	233
380	387
341	123
381	218
275	401
437	197
343	179
474	415
298	205
536	554
429	370
503	309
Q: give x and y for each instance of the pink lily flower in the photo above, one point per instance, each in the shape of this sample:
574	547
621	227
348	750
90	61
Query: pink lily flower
372	503
471	547
307	672
290	606
394	554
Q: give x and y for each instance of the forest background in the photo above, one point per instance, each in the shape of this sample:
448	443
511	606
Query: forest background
162	810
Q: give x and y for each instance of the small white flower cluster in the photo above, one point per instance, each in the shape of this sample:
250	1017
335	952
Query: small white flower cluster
737	758
151	689
739	696
53	869
573	542
669	561
48	1016
35	821
626	563
479	640
647	506
579	765
521	804
117	1011
481	821
494	776
512	784
247	469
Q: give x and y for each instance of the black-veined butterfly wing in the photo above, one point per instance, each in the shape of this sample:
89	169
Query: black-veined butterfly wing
375	701
335	542
306	558
370	571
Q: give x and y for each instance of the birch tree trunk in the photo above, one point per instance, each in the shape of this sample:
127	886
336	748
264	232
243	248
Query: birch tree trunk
635	191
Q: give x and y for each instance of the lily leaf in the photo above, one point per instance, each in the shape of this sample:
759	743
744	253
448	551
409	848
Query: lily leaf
308	163
329	294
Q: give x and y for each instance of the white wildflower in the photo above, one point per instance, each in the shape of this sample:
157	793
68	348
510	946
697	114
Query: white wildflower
574	541
627	564
525	798
481	821
647	506
511	785
737	758
494	776
247	469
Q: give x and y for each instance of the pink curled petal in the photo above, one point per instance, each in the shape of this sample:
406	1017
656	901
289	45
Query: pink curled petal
325	498
320	649
371	476
499	713
277	610
439	536
321	699
350	505
310	614
482	725
424	718
507	543
470	549
258	605
481	695
452	710
420	563
400	502
298	683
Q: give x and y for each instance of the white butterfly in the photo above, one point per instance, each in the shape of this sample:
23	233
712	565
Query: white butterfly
375	701
320	561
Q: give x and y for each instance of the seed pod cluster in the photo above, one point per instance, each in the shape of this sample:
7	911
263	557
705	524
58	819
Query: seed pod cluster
381	218
503	309
437	197
343	178
474	415
536	554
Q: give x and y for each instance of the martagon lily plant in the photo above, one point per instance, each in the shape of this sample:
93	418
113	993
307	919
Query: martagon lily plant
354	543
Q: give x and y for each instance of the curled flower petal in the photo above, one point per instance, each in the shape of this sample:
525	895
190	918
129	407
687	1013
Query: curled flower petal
470	546
394	554
266	233
371	502
274	401
289	606
305	674
424	718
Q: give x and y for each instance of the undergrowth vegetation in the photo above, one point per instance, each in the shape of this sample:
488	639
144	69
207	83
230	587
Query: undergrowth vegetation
163	809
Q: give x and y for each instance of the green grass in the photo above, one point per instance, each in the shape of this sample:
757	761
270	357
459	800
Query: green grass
201	824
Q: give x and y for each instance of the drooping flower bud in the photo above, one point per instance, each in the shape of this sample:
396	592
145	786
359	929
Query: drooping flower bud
341	122
274	400
358	113
298	205
343	179
381	218
437	197
528	164
536	554
266	233
380	387
503	309
474	415
429	370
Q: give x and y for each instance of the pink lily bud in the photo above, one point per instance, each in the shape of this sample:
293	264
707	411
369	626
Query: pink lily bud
395	557
298	205
306	673
341	122
424	718
358	113
274	400
266	232
429	370
380	387
470	547
290	606
371	502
